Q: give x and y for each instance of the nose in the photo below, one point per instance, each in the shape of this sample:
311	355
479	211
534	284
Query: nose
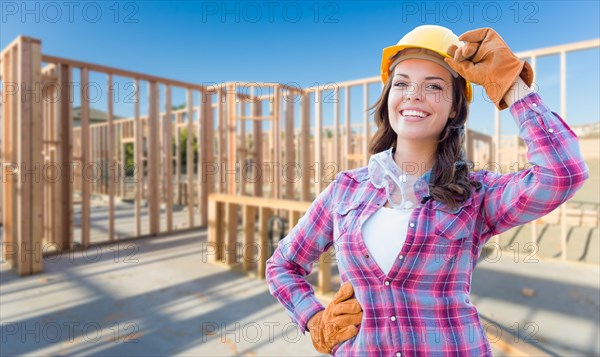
413	92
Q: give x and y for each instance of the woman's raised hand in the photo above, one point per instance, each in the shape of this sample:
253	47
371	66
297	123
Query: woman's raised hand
485	59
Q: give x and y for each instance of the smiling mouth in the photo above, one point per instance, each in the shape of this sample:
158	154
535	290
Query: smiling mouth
413	113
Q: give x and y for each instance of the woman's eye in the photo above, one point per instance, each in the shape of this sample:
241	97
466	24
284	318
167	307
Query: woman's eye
434	87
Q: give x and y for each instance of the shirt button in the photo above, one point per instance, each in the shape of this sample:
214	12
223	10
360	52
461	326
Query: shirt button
398	354
393	318
401	257
387	283
535	105
411	224
551	130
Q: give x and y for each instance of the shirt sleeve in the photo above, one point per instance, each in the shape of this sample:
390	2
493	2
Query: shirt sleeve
295	254
556	170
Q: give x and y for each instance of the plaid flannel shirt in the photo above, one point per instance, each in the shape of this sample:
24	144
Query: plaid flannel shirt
422	306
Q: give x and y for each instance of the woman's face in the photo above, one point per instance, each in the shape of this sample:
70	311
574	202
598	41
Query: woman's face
420	99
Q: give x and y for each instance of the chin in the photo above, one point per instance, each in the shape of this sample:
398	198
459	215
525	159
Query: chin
413	136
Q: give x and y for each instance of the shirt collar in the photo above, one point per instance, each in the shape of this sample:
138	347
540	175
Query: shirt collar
362	174
427	176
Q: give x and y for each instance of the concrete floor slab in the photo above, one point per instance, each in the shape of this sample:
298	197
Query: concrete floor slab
158	297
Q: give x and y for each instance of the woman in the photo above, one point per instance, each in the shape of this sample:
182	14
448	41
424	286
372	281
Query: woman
409	227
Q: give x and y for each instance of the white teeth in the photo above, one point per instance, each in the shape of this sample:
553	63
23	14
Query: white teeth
413	113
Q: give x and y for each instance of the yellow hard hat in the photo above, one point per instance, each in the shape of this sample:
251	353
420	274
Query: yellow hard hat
430	37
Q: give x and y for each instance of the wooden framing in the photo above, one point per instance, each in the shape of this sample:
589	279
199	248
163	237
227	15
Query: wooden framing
275	149
230	126
348	129
290	171
249	247
111	161
86	174
563	114
221	137
37	133
23	221
337	157
9	169
167	129
153	160
263	240
2	158
318	147
139	165
223	239
367	126
242	148
305	148
178	120
257	153
190	157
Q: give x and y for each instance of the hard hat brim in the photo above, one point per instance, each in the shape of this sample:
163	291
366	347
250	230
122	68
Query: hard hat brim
390	51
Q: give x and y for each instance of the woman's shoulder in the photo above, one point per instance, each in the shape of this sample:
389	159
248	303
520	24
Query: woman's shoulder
361	174
358	174
484	176
352	185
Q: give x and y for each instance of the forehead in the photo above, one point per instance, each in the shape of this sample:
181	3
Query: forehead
419	68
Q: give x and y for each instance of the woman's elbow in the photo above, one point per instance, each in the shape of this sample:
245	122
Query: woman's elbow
570	181
578	174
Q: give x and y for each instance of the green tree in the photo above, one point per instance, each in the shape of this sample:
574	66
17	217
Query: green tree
183	138
129	159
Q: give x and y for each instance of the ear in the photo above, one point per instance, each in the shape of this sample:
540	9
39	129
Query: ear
452	114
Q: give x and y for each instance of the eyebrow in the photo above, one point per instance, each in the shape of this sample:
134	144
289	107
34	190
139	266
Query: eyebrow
427	78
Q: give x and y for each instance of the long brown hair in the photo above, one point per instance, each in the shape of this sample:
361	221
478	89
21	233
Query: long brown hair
450	181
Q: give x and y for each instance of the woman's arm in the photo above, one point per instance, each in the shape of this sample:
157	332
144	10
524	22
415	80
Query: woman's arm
293	259
557	169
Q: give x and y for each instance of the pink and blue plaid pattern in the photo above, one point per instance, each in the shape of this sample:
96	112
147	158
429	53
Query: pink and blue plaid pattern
422	306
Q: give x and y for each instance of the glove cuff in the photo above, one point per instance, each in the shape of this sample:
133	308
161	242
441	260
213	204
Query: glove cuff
317	336
525	72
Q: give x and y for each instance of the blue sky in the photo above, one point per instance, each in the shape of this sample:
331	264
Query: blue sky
304	42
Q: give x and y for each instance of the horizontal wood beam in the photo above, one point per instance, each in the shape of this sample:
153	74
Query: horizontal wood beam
261	202
255	118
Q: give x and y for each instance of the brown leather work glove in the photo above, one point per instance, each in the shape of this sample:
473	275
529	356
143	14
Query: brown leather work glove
485	59
338	322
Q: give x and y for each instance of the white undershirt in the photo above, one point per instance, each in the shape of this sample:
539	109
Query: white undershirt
384	234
